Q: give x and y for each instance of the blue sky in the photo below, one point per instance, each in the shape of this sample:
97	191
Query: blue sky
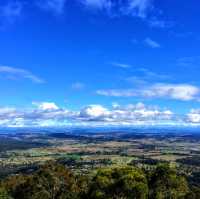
99	61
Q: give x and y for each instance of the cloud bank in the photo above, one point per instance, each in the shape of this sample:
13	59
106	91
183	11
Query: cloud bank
50	114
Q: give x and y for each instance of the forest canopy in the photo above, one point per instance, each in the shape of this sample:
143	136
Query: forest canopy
55	181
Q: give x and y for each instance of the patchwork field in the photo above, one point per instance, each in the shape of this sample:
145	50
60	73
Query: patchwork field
23	152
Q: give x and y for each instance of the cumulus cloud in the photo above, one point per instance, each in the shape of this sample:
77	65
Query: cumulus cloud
50	114
43	113
151	43
135	113
194	116
46	105
18	73
183	92
94	112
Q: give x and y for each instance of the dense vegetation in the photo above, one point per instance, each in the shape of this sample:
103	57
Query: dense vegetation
55	181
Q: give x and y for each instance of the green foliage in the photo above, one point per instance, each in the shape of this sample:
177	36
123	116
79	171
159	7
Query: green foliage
55	181
50	182
116	183
166	184
4	194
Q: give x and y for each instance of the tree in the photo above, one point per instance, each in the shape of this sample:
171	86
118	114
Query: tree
119	183
166	184
4	194
194	193
52	181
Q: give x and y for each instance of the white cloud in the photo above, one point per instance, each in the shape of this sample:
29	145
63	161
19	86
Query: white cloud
8	112
50	114
117	92
138	113
46	106
18	73
121	65
183	92
78	85
92	112
194	116
54	6
152	43
139	8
